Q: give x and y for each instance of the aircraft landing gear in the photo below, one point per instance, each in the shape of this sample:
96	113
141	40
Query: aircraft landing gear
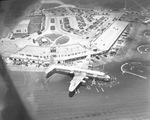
97	85
93	82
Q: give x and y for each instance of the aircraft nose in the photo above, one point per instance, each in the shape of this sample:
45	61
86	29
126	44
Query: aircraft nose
71	89
108	77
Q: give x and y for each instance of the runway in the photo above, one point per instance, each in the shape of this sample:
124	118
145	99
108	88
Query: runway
50	101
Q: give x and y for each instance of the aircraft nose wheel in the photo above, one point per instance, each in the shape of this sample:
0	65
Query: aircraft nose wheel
77	91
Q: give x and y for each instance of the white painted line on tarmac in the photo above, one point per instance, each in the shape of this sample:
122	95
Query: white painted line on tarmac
123	71
102	89
96	89
138	49
136	75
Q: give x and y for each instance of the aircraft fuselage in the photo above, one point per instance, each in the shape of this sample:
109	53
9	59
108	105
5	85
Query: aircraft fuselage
72	70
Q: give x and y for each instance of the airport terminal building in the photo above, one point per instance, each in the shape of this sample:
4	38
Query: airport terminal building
39	54
62	41
64	53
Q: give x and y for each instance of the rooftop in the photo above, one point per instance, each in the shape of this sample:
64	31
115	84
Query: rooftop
34	50
106	40
70	48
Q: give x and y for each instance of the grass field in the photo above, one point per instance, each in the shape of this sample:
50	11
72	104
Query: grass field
62	40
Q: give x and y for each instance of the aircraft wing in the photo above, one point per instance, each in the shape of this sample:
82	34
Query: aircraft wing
85	63
77	79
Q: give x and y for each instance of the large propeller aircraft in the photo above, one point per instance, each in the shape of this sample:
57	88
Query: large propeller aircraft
80	71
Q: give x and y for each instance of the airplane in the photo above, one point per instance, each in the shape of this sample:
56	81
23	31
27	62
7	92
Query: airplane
81	73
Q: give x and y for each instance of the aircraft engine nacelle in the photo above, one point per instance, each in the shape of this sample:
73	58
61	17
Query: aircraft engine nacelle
86	78
106	79
83	81
95	76
71	72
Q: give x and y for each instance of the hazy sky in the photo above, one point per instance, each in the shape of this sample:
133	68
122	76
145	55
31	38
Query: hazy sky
11	11
15	8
